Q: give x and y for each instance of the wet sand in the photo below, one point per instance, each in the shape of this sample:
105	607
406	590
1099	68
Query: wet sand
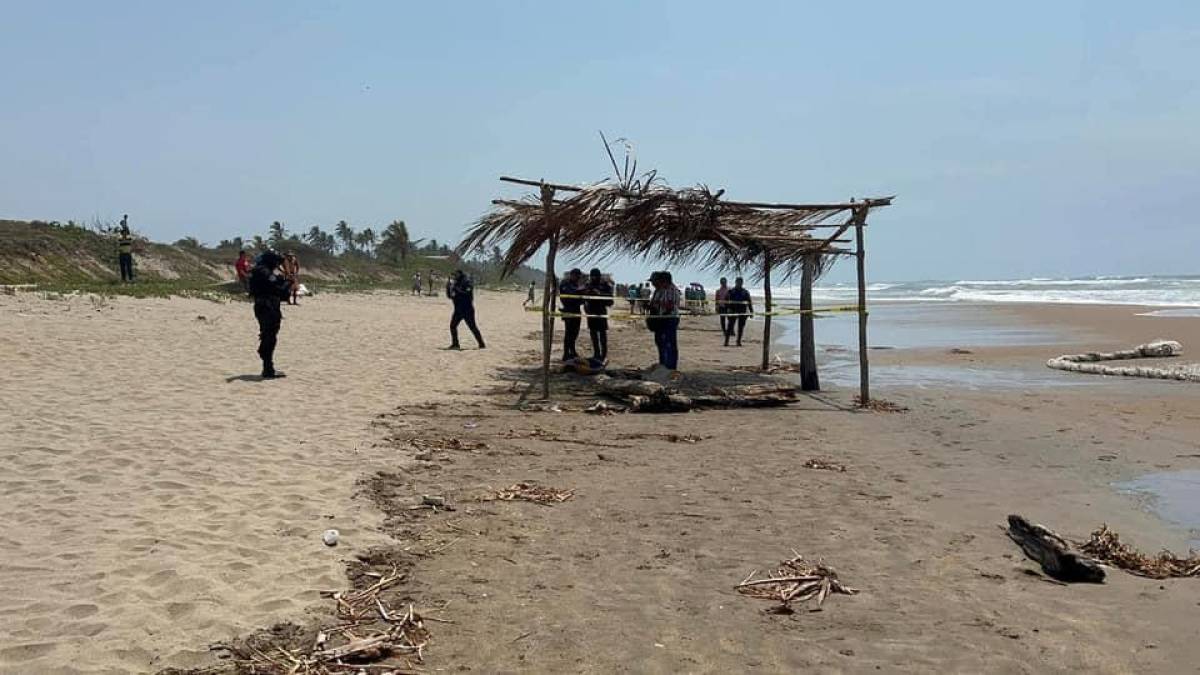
150	514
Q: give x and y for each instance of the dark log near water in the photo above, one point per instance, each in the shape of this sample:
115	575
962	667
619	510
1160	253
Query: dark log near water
1053	552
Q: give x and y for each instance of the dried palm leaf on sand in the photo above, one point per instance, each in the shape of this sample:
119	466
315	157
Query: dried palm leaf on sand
1105	546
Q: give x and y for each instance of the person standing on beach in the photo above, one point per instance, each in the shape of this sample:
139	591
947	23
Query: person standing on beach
291	272
741	307
268	287
599	292
416	286
529	299
461	292
242	267
569	291
663	309
125	250
719	297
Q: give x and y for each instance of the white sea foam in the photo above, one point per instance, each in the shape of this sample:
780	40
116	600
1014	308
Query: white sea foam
1179	292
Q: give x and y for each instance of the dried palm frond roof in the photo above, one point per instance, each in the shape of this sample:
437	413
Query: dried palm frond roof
610	218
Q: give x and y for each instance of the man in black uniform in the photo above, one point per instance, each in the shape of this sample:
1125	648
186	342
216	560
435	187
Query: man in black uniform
600	293
461	292
572	306
741	307
268	287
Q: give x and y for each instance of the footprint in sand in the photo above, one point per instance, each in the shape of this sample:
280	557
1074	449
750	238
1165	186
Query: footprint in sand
81	611
27	652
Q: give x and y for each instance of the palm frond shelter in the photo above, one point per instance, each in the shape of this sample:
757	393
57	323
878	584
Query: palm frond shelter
682	226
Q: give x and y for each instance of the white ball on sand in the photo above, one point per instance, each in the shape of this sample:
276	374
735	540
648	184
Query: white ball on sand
330	537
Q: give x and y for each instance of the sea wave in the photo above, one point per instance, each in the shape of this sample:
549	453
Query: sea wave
1139	290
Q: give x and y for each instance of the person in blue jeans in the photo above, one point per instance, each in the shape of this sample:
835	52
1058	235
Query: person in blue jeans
664	319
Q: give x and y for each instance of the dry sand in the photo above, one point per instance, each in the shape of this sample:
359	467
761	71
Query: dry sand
156	497
153	505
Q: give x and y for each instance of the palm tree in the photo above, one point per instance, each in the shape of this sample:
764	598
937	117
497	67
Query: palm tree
278	234
394	244
315	238
345	233
365	240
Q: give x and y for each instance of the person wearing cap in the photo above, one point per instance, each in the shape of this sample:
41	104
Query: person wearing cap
461	291
571	306
268	287
600	293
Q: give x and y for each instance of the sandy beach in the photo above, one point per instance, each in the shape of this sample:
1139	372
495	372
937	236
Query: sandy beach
160	499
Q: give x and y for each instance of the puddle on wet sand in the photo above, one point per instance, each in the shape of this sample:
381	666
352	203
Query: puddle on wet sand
1173	496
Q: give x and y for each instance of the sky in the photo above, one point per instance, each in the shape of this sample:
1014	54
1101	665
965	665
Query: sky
1021	138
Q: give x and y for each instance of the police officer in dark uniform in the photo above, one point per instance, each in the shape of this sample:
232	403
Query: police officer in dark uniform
461	291
268	287
569	291
599	292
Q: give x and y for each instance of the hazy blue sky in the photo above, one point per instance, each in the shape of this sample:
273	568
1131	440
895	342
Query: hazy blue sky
1047	138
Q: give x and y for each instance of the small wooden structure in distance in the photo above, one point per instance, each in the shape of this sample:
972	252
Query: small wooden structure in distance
693	225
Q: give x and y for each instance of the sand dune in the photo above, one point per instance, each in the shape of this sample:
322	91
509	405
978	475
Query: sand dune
157	496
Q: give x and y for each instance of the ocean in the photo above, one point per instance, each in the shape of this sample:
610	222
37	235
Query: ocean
1170	295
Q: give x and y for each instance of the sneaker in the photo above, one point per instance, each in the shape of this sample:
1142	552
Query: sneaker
272	375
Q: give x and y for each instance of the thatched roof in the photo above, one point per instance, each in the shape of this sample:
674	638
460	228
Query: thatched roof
655	221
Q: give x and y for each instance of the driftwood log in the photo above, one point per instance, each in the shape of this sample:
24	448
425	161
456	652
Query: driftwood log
1053	552
648	396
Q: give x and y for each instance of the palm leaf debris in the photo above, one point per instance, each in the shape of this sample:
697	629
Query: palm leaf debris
1105	546
532	492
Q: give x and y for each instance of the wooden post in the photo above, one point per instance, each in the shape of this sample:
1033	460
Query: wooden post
766	337
808	344
864	368
549	292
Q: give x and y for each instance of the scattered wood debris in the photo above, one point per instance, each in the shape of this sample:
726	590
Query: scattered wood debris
367	638
542	407
1053	552
436	444
796	580
604	408
540	434
532	492
1105	545
690	439
880	405
824	465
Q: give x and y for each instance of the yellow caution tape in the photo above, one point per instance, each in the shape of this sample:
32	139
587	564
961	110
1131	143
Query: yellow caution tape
621	316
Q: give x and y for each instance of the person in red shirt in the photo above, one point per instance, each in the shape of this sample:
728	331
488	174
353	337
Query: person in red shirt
243	270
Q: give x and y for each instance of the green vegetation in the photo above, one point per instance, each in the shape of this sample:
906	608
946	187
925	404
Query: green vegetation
69	257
